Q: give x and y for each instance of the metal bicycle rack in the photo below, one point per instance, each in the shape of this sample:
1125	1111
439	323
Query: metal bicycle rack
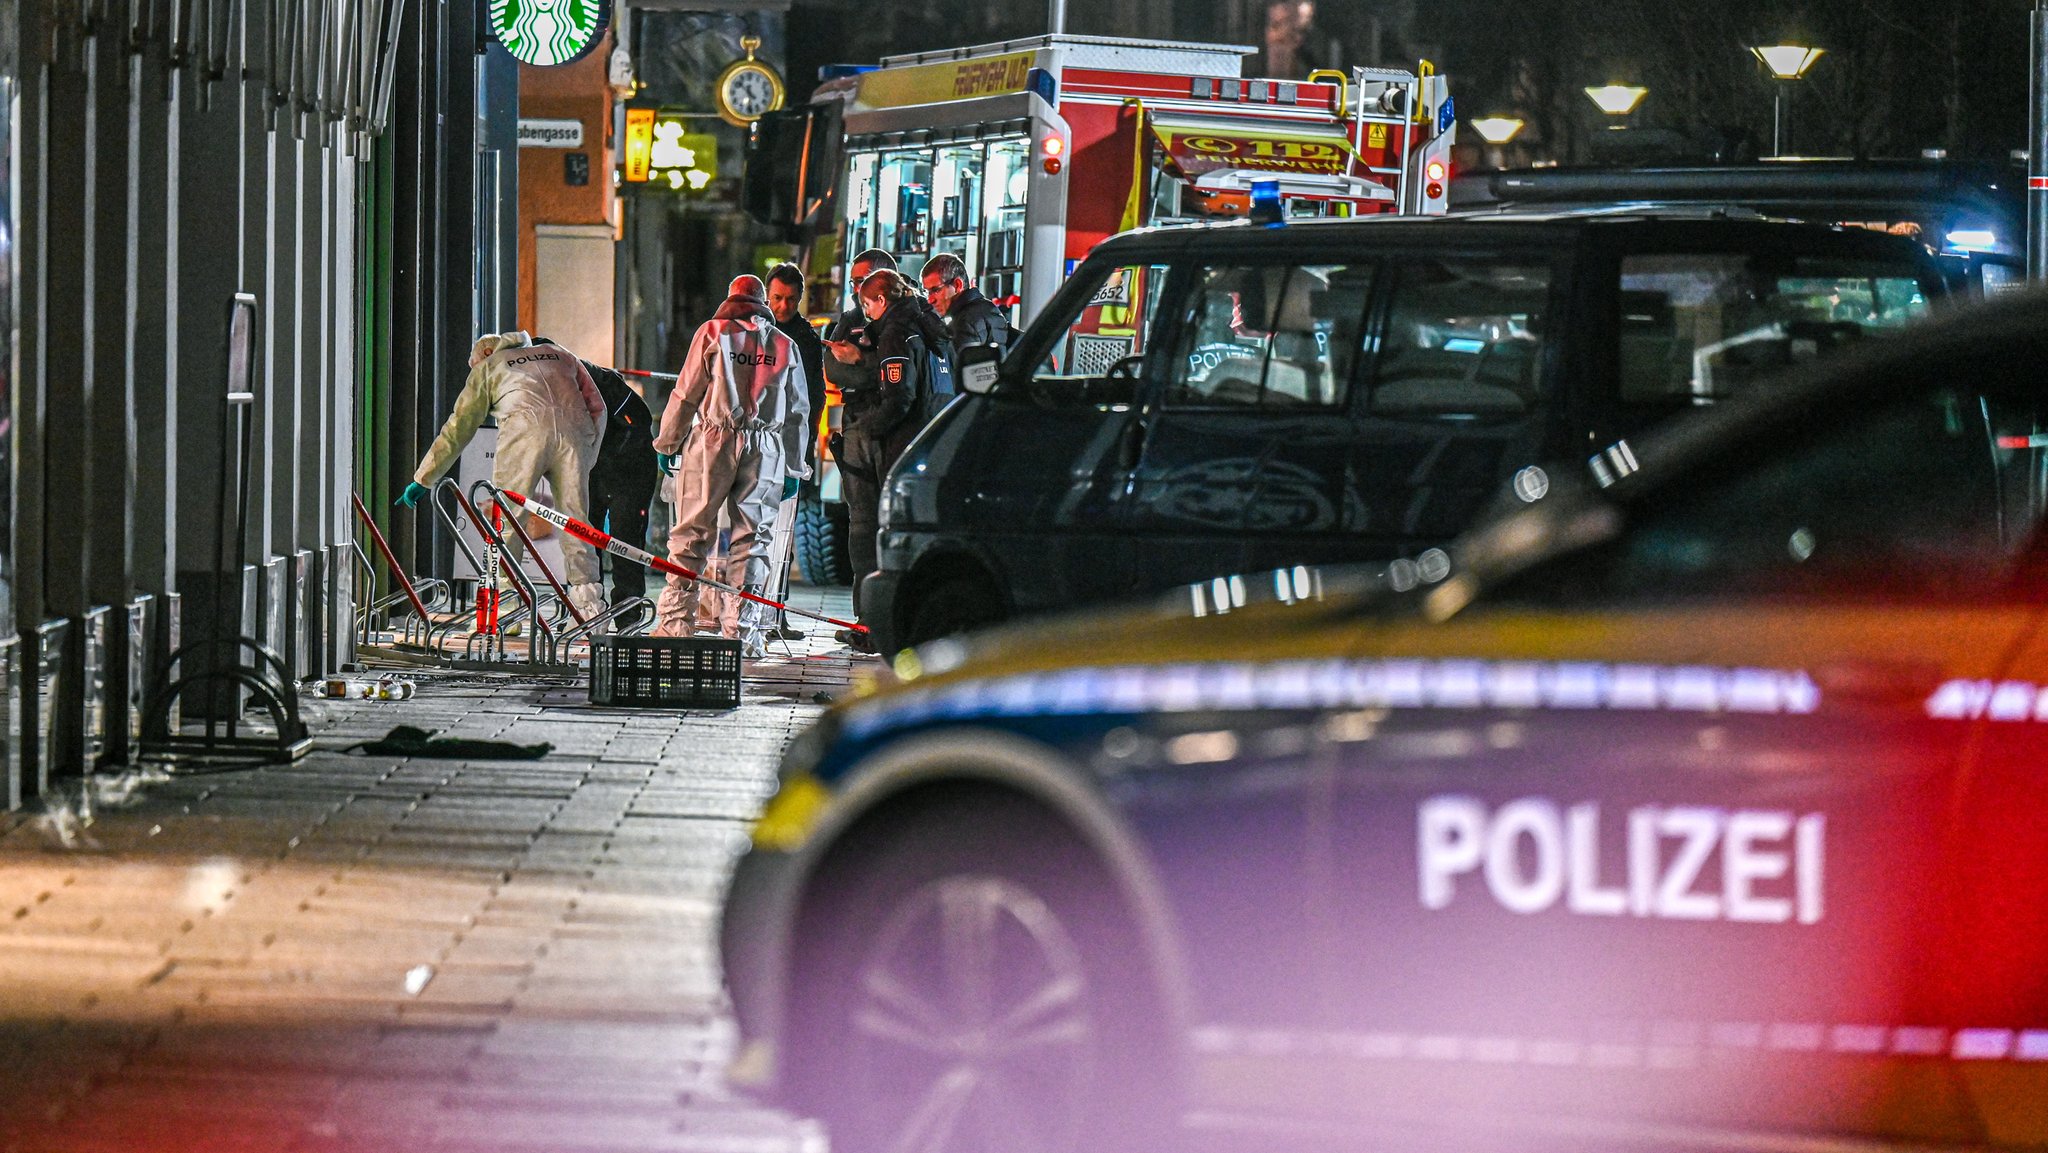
553	621
228	663
427	595
487	651
581	629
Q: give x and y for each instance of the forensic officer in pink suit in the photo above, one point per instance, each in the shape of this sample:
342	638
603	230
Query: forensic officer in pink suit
733	437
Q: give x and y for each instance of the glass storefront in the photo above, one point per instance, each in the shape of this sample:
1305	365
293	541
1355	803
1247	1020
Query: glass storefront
965	198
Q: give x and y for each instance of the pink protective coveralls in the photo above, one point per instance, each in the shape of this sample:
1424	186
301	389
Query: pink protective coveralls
739	416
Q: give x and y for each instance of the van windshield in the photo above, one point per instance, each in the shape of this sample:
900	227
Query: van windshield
1106	338
1698	327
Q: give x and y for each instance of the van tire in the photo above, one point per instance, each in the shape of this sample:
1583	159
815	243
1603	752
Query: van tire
958	603
821	541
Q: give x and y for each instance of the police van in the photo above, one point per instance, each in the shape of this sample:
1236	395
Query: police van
1218	399
1972	213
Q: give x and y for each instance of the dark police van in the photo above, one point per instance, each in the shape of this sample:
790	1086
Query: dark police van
1972	212
1237	398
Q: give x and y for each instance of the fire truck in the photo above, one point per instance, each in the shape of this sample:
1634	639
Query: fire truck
1021	156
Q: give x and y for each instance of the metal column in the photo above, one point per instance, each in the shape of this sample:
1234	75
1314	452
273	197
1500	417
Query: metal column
110	385
2037	147
26	402
66	366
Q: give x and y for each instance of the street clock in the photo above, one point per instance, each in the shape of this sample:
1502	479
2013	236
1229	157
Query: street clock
546	32
748	89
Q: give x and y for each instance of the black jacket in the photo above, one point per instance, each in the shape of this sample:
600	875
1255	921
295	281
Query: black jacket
811	351
849	326
629	425
881	401
974	319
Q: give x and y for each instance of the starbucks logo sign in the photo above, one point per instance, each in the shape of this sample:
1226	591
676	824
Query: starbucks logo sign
549	31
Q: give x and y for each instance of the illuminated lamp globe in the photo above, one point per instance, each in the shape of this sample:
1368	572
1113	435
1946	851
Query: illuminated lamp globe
1498	129
1617	99
1787	61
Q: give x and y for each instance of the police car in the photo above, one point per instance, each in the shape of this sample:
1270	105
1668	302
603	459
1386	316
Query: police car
1697	797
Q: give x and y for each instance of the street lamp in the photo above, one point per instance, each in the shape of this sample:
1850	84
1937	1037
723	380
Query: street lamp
1787	62
1617	99
1497	130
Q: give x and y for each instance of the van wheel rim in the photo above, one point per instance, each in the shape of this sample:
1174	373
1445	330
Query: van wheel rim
973	1022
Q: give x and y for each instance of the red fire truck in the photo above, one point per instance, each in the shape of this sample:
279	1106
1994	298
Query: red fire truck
1021	156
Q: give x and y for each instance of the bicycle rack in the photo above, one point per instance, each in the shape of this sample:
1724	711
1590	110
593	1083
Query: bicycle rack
580	630
583	632
228	652
425	595
542	647
267	680
511	516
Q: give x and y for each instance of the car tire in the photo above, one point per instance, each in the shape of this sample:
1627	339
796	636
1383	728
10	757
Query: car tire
951	605
974	987
821	541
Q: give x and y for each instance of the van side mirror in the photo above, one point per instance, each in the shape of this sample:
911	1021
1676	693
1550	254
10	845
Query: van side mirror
979	366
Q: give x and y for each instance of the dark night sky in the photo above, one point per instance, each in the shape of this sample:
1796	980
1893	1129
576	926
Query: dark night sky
1899	76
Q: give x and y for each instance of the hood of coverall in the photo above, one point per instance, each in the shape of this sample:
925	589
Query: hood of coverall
743	307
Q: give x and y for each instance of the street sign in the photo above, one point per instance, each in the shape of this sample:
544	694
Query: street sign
550	133
548	32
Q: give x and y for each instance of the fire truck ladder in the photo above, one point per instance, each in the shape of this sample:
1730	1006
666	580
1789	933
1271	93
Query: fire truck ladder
1393	101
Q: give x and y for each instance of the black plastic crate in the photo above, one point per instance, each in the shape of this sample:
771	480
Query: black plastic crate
665	672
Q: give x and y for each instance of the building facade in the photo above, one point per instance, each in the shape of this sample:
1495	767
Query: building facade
240	249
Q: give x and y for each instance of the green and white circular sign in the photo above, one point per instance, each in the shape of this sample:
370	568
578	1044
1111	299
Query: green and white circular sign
549	31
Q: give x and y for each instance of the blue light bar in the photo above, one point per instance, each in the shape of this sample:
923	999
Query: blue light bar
1973	240
1266	206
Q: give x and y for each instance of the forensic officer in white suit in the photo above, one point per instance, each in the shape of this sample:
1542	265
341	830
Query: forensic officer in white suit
550	416
733	437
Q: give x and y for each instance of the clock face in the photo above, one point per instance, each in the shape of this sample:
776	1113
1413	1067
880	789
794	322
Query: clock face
749	92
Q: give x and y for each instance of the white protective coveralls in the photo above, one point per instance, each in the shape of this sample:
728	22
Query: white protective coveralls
739	417
550	418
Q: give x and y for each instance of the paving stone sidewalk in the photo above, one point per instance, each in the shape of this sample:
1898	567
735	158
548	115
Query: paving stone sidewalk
365	953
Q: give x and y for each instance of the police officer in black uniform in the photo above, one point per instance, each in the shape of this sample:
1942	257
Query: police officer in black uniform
785	300
882	382
971	317
625	477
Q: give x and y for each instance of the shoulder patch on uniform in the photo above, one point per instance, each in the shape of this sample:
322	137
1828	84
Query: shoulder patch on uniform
895	370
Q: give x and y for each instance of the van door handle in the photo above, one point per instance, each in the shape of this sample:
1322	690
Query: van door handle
1130	444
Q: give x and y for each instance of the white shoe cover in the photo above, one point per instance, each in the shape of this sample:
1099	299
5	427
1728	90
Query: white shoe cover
588	600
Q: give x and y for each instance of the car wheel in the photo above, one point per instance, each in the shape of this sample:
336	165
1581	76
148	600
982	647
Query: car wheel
821	542
954	604
976	992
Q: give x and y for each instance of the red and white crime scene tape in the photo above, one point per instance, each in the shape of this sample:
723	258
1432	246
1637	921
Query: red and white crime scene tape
618	548
487	588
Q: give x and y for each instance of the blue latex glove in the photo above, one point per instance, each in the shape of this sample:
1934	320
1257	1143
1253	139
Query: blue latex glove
789	487
666	462
413	494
